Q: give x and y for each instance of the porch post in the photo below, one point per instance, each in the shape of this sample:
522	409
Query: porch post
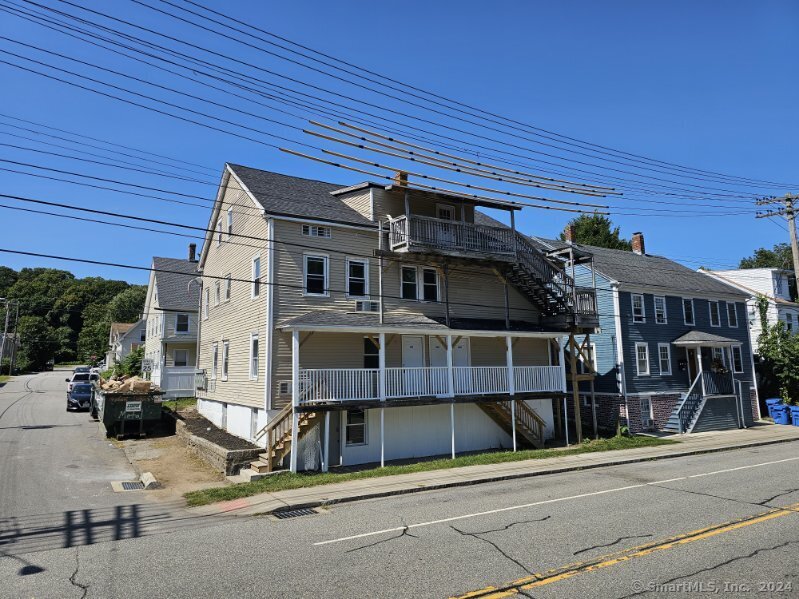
326	446
450	369
452	426
739	409
511	385
295	398
699	367
382	438
381	377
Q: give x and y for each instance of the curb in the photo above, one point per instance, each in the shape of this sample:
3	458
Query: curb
467	483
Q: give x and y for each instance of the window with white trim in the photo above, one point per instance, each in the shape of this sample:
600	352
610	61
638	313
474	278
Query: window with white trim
181	357
408	283
429	285
642	359
316	231
225	359
217	293
639	312
688	311
719	358
737	359
182	323
357	277
255	291
219	231
316	277
664	358
660	310
732	314
206	303
254	356
715	314
228	284
229	222
214	359
355	427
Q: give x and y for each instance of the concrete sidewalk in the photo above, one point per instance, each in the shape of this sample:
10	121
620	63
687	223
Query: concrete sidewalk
355	490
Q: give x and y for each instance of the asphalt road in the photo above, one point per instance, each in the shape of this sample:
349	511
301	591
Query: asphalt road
699	526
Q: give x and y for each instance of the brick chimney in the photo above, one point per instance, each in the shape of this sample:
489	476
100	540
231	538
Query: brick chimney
192	252
638	243
570	233
401	178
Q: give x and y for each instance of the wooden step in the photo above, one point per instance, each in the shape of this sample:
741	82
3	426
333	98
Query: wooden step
259	466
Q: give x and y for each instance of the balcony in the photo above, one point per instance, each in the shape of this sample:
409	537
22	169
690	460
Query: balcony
414	233
324	385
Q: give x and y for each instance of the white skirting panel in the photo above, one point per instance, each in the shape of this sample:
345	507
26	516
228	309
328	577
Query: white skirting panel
211	409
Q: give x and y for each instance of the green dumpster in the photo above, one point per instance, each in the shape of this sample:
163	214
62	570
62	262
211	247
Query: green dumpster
126	413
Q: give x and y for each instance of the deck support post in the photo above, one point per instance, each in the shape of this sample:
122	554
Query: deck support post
511	385
381	383
452	426
382	437
566	420
450	369
578	420
295	398
326	446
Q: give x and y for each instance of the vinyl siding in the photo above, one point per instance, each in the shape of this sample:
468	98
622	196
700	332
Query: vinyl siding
360	201
236	319
392	203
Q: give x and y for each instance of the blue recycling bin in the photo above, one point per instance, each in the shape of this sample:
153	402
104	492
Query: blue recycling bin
771	403
794	410
780	414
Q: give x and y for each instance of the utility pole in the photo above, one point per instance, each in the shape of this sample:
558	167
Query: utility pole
788	210
15	341
5	330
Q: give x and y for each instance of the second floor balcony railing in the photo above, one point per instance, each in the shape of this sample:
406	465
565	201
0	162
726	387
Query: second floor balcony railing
422	233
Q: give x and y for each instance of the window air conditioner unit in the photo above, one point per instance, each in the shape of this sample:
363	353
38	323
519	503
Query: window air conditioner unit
367	306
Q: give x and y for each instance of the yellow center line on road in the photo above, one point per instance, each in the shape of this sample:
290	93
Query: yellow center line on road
605	561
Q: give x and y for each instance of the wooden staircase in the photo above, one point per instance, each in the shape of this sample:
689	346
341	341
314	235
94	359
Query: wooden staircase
530	427
278	438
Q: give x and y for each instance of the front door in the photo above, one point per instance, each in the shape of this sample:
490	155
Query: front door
445	234
692	365
413	363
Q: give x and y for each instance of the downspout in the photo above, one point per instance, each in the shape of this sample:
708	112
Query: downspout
619	348
270	312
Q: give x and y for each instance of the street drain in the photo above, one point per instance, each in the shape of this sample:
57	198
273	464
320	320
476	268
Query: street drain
127	485
285	514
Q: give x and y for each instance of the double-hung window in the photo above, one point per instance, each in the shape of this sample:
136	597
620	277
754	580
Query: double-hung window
206	303
217	293
254	356
228	283
408	282
732	315
229	222
429	285
225	359
639	312
316	275
660	310
664	358
357	277
642	359
182	323
355	429
688	311
737	359
715	314
214	359
255	291
219	231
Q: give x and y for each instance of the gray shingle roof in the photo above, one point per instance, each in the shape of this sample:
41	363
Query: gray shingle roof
331	318
172	276
295	196
702	338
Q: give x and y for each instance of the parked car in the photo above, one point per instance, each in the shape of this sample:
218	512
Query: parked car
81	369
80	396
81	377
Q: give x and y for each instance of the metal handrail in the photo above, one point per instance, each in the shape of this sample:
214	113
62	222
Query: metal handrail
687	408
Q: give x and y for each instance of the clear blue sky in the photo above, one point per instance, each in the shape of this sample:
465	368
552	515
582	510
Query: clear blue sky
704	84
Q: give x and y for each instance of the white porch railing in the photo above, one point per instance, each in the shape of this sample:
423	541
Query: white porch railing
178	381
349	384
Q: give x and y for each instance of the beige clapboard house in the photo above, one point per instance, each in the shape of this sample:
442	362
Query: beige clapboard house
347	325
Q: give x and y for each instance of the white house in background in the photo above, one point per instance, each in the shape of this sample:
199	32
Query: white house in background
124	338
772	283
377	322
170	311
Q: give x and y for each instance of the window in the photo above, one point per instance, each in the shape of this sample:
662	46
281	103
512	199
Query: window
143	336
181	357
647	415
789	321
315	275
217	293
225	359
357	278
253	356
715	315
371	353
688	311
219	231
315	231
256	277
660	310
206	303
664	358
777	284
182	323
355	427
642	359
430	284
639	312
408	281
737	359
719	359
229	222
214	359
732	315
228	283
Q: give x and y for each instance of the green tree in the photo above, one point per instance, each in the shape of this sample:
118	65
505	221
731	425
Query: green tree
38	342
777	257
8	276
597	230
779	358
127	305
131	364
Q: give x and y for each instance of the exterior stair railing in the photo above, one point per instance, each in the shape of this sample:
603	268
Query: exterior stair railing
690	405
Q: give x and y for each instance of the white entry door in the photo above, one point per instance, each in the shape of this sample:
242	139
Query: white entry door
413	363
445	233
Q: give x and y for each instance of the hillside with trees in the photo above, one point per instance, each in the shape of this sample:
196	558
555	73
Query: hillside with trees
65	318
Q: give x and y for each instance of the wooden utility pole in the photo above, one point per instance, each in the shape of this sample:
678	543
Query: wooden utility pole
787	210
